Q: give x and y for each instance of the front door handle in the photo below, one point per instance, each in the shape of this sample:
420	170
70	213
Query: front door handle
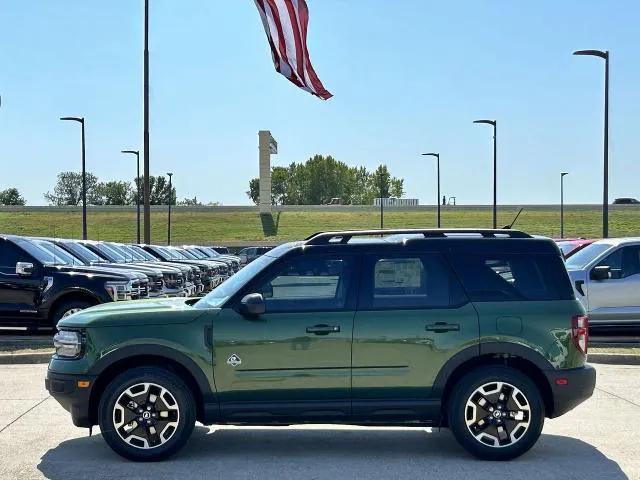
441	327
323	329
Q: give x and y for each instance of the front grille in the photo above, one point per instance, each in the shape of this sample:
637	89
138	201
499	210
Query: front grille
156	285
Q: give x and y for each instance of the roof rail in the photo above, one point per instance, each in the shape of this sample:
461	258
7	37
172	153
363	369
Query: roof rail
323	238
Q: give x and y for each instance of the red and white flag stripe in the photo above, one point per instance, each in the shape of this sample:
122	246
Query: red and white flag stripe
285	22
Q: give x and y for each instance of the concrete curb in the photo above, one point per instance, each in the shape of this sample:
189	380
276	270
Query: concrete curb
614	358
24	358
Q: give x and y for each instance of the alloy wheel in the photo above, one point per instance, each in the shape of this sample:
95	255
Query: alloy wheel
146	415
71	311
497	414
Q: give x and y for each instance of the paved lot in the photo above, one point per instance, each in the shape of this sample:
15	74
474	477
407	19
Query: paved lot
598	440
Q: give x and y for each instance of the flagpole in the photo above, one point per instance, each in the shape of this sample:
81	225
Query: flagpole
147	207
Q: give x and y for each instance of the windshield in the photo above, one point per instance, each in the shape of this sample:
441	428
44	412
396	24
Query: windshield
59	252
122	251
230	286
41	254
146	255
110	253
567	247
196	253
211	252
584	257
83	253
133	253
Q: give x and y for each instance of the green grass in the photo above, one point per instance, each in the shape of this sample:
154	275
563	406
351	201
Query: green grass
207	226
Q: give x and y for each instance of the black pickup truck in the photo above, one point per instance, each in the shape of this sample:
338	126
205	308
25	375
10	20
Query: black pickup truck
37	289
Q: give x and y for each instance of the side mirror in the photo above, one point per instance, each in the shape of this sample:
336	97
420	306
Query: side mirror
24	269
252	305
601	272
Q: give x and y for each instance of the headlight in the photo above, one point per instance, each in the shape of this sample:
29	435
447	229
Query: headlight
68	344
119	291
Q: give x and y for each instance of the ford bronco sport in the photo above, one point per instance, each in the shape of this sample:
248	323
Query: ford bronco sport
475	330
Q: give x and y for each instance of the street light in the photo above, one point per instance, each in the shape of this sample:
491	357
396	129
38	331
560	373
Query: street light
170	201
437	155
605	190
495	168
145	95
137	154
562	174
84	176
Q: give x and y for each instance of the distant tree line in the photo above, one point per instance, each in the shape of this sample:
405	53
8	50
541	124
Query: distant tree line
68	191
322	178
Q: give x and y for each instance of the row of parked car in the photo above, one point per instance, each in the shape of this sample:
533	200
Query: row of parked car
45	279
606	278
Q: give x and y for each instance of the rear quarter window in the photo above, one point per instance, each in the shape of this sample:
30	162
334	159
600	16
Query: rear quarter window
513	277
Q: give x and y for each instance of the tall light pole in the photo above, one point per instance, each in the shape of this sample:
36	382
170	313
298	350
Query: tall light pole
381	206
605	189
495	168
437	155
137	154
146	189
84	176
170	202
562	175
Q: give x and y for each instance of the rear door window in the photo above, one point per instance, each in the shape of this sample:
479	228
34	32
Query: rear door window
496	278
408	281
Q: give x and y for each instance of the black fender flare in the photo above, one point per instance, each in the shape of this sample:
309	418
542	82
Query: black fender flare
157	351
474	351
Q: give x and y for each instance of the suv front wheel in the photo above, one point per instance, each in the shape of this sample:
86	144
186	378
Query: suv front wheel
146	414
496	413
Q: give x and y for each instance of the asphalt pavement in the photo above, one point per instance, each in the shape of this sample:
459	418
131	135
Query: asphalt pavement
598	440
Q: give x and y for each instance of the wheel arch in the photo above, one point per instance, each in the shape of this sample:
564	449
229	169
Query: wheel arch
516	356
69	295
110	366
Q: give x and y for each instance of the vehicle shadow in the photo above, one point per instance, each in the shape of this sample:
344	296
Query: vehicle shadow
320	453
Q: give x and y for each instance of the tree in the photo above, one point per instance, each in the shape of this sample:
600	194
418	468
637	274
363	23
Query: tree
158	190
68	189
322	178
114	193
190	202
11	196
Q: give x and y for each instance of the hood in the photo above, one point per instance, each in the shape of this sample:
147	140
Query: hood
91	272
161	311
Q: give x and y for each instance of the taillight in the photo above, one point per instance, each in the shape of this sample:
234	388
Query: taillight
580	332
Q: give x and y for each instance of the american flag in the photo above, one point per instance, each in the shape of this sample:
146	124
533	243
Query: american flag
285	22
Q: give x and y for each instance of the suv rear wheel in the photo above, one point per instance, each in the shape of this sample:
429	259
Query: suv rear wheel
146	414
496	413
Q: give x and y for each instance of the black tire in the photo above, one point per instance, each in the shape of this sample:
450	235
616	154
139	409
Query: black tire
516	443
179	392
67	306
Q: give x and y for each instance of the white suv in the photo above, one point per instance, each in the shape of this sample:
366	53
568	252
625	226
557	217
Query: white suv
606	278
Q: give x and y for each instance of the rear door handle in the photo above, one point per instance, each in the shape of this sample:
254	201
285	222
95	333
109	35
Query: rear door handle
441	327
323	329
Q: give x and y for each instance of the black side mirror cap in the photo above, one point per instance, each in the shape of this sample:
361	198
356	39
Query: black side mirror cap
601	272
252	305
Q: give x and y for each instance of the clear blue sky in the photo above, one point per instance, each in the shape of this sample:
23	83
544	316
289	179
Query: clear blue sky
407	76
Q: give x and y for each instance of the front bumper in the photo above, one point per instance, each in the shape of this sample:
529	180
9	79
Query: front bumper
570	387
75	400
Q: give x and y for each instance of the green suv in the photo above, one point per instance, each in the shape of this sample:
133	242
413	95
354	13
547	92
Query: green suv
475	330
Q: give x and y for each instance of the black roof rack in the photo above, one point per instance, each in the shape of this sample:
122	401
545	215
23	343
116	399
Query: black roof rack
324	238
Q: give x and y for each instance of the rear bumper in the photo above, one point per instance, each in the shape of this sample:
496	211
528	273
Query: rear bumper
64	388
570	387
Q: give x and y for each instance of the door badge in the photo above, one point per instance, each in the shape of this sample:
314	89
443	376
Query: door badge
234	360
